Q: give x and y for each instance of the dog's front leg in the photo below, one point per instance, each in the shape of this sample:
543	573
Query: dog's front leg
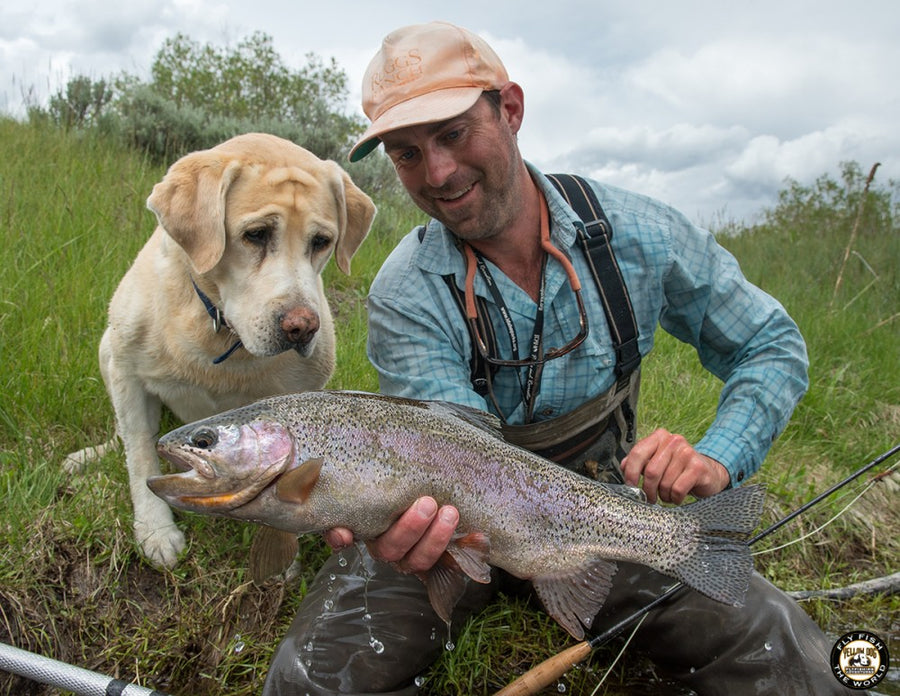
137	416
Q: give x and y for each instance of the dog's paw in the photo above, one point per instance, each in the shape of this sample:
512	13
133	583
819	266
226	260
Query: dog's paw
75	462
161	545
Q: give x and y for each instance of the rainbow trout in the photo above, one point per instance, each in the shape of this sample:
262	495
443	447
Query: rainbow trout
308	462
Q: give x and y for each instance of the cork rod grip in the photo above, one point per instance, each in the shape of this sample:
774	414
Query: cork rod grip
547	672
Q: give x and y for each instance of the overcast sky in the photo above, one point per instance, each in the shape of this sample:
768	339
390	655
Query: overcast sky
707	105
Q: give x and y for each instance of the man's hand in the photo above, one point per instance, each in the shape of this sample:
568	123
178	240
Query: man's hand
672	469
414	542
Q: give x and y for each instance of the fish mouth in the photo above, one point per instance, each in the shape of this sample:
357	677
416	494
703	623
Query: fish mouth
172	488
180	460
200	488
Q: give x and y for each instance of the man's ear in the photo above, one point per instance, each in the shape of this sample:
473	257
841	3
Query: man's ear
512	105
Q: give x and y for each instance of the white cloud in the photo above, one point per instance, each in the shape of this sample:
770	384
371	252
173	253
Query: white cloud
679	146
765	84
766	159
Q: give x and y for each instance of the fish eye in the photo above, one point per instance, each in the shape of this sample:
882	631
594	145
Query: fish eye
204	438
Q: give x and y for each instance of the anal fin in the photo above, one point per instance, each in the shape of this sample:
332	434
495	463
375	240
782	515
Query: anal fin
574	597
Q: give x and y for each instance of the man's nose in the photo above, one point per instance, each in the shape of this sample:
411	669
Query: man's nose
439	166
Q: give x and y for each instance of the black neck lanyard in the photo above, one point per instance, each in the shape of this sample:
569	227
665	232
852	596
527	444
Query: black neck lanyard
531	386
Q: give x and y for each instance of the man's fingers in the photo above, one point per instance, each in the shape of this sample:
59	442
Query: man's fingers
338	538
651	458
634	462
671	468
396	542
677	472
416	541
433	543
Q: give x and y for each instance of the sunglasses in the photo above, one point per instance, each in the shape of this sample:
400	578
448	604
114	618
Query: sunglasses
472	311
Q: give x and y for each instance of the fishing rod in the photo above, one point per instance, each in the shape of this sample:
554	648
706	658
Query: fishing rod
553	668
78	680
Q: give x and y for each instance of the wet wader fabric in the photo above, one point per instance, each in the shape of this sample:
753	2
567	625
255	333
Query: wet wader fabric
356	605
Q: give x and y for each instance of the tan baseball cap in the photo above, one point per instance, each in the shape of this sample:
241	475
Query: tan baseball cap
423	74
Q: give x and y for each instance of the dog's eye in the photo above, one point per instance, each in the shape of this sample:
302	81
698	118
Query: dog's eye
319	242
258	235
204	438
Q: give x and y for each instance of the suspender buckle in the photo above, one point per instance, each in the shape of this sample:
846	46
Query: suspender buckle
597	229
628	357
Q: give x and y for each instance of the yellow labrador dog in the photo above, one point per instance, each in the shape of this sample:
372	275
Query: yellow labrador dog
225	303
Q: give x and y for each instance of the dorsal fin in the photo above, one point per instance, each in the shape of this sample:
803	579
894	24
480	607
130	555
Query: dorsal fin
469	414
482	420
294	486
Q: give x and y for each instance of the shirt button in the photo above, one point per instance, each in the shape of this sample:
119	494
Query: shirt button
740	476
547	412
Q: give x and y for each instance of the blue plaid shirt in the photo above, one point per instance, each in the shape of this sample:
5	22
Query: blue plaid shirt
678	277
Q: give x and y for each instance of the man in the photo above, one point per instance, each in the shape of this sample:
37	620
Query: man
441	102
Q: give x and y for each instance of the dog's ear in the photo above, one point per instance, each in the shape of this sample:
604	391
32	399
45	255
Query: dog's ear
190	205
355	214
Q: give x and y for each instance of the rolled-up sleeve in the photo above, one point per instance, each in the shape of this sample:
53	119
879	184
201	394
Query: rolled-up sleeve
744	337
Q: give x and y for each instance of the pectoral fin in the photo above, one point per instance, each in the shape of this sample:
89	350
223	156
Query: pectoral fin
294	486
271	553
574	598
471	552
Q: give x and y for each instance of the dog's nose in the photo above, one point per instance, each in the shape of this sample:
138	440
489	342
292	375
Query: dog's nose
300	325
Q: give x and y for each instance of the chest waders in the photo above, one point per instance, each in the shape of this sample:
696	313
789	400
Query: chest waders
593	438
364	628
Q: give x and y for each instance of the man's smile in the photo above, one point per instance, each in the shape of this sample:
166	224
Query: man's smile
455	196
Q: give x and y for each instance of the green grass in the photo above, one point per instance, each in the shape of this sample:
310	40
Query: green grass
74	587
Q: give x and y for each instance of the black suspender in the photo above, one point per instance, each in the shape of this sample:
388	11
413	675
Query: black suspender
478	366
597	247
595	242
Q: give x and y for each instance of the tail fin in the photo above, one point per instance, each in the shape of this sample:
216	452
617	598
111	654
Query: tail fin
721	565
